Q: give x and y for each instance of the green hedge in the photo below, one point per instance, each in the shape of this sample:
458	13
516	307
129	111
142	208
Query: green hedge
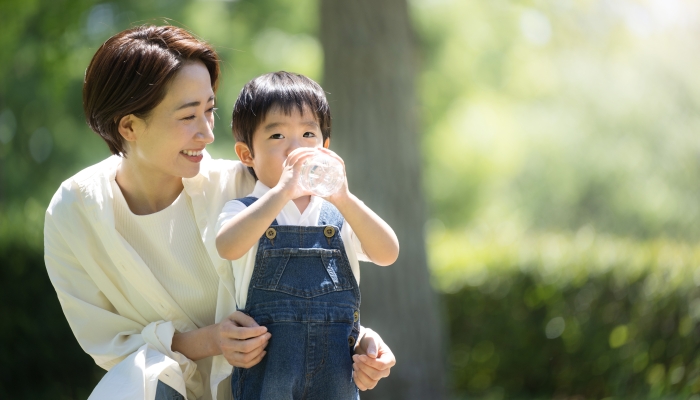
531	316
569	316
40	358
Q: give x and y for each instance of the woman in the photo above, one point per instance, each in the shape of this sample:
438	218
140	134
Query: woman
130	241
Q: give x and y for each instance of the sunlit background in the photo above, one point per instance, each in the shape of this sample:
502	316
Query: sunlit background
561	152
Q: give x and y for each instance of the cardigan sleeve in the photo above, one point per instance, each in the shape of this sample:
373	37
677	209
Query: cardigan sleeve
101	330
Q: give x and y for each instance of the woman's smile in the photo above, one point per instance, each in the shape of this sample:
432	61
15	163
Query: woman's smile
193	155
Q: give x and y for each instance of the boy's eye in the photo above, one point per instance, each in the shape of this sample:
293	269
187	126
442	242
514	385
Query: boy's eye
309	134
277	136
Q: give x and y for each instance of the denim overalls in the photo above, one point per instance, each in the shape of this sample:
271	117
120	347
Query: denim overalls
303	290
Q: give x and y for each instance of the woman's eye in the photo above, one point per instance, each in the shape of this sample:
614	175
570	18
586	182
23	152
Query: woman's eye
191	117
211	110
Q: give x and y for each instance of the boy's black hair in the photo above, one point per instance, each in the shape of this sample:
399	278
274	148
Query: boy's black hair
288	91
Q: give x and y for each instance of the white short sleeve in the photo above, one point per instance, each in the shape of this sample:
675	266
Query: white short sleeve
353	249
230	210
349	236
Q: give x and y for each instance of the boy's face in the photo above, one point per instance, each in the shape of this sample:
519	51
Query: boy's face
276	137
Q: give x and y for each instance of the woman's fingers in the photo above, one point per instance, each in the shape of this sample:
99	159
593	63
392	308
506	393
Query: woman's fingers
242	341
245	359
362	381
245	353
246	345
368	371
241	319
252	362
241	326
374	368
367	376
373	360
384	362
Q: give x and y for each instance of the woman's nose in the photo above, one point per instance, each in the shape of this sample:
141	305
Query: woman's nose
206	131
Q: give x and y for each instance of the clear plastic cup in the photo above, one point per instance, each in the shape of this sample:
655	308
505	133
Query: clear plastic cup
322	174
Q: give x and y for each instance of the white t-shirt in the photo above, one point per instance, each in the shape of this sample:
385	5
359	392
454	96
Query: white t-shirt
168	242
290	215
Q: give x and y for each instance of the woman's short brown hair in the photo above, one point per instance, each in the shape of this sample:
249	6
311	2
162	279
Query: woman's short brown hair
130	72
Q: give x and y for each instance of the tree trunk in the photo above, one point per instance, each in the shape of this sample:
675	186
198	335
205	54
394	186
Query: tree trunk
369	74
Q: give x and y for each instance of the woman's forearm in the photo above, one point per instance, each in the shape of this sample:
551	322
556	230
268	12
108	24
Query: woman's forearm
197	344
238	337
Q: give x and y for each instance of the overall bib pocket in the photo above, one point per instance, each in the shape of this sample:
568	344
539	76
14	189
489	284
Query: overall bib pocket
304	273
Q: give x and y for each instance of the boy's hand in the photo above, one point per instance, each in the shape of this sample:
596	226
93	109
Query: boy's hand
343	193
289	182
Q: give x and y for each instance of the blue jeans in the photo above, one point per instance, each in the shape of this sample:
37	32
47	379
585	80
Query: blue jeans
303	290
165	392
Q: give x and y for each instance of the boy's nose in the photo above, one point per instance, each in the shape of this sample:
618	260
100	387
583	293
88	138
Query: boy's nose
293	145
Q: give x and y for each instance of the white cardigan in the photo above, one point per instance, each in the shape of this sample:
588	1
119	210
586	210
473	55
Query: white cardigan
97	274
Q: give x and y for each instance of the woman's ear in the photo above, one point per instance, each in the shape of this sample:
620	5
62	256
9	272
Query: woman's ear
327	143
244	154
126	127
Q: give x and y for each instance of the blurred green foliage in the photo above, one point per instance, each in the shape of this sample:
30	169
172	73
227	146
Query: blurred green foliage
570	316
558	114
561	161
563	168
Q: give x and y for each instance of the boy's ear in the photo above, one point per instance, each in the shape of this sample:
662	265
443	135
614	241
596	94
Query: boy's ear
244	154
327	143
126	127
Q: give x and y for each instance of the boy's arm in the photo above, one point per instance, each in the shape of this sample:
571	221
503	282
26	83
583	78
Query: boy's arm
240	233
379	242
237	236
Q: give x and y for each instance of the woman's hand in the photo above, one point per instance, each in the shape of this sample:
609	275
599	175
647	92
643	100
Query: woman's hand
372	360
241	341
238	337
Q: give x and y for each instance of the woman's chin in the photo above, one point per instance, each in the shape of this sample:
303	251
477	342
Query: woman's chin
189	172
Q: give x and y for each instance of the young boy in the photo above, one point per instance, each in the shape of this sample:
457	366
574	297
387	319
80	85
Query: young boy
294	255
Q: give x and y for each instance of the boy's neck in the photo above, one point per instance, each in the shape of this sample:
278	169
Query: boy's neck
302	202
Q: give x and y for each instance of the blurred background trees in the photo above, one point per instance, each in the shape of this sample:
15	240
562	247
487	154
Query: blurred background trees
369	71
559	164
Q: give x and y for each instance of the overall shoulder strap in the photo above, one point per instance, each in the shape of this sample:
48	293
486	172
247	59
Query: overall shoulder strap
330	216
247	201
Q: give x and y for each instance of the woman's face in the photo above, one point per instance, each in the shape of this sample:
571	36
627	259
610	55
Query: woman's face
169	142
